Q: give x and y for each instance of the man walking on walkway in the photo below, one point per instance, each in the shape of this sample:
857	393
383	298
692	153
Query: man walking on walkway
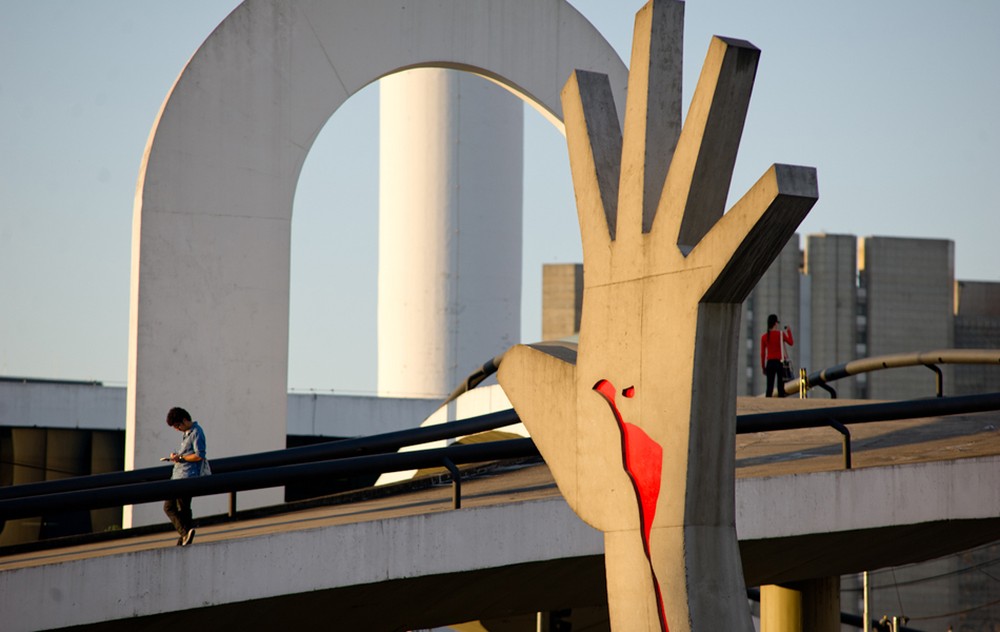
189	462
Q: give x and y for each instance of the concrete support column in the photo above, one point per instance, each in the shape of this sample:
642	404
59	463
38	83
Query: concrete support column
449	282
807	606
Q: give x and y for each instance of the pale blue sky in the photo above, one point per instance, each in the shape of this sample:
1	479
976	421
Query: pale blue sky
895	102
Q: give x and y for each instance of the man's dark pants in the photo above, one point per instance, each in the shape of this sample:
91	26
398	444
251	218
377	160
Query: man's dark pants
179	512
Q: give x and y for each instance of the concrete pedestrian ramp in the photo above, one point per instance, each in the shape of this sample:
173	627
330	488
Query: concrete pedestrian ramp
919	489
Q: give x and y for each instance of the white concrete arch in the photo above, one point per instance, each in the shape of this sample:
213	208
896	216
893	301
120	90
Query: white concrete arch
211	229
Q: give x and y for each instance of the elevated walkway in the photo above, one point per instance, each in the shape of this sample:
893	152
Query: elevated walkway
919	489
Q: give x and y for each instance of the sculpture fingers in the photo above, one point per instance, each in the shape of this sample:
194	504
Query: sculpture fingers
749	237
540	381
652	114
594	140
696	188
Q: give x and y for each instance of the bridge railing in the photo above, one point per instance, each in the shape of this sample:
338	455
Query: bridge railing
362	455
359	446
282	467
837	417
929	359
265	477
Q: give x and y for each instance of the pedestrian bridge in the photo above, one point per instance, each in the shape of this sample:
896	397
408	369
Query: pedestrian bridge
403	557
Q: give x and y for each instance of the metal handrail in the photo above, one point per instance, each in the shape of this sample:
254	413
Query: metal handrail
104	494
375	444
929	359
263	478
837	416
475	378
866	413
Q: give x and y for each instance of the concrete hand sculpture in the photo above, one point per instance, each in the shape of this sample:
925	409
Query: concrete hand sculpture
665	273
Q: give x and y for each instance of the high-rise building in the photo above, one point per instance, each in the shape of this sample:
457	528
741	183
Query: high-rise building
977	326
909	285
562	299
831	273
847	298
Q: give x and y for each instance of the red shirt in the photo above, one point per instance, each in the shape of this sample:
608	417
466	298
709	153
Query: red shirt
770	345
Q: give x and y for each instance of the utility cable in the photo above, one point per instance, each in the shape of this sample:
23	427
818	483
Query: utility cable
43	468
957	612
978	566
899	600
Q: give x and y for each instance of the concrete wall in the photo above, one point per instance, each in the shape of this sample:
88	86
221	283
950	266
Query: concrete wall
910	287
96	407
62	405
354	415
831	264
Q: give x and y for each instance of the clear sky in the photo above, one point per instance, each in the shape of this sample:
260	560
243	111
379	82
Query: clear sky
894	102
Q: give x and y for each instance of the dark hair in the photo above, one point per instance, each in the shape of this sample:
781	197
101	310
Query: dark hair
177	416
772	320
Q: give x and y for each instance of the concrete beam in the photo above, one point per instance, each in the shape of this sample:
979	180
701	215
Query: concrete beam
442	567
372	560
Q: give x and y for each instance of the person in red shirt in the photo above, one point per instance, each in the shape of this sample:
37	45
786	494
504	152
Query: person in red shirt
772	353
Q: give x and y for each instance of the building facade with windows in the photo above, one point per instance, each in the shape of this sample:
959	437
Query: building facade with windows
845	298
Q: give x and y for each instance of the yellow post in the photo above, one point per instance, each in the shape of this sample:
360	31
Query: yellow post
807	606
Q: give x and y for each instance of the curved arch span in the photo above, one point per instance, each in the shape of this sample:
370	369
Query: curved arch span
212	219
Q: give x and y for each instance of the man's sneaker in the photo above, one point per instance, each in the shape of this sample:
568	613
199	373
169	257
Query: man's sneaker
188	537
180	541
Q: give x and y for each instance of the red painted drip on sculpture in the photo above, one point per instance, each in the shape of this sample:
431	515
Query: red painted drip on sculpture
642	458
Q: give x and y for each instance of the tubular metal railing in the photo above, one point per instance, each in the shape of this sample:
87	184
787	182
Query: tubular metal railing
376	444
262	478
282	467
837	416
929	359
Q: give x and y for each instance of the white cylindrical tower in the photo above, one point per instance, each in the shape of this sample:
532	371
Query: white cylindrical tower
450	195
